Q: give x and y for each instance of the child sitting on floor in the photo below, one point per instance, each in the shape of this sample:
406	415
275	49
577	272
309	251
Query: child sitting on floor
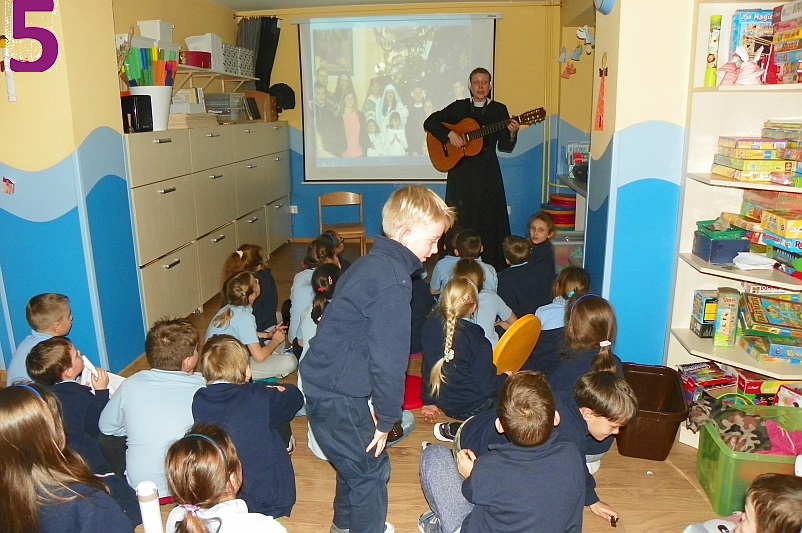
459	376
541	231
256	417
254	259
49	316
445	264
46	487
571	283
56	364
773	505
534	482
491	312
205	474
236	319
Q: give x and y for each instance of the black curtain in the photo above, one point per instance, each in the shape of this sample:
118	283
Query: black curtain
266	51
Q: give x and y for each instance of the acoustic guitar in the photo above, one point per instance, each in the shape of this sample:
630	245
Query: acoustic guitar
445	156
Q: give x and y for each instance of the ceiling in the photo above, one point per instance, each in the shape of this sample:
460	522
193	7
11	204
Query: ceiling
240	6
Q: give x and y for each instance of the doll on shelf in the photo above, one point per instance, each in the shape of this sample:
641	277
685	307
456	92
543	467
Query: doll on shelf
729	71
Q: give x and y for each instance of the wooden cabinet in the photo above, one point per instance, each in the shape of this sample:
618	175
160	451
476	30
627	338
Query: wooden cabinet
195	196
213	249
716	111
252	228
279	223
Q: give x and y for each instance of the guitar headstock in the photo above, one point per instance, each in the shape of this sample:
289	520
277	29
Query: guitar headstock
532	117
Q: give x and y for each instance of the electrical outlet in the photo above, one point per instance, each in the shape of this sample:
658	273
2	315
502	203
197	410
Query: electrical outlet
509	209
293	209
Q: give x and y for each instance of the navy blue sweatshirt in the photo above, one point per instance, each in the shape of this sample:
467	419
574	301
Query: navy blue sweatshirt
526	287
361	348
470	377
81	411
521	490
572	366
250	414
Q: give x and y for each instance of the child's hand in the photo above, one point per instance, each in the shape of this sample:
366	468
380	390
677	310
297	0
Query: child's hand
379	441
465	460
279	387
430	413
280	334
603	510
101	382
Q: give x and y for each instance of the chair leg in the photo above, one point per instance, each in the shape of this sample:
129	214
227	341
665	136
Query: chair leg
363	245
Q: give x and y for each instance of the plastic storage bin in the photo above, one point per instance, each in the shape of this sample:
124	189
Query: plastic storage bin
569	248
661	409
725	475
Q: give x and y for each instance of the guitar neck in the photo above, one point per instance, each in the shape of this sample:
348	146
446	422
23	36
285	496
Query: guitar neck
489	129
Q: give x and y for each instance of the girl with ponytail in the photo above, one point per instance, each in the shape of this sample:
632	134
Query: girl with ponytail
590	329
458	371
205	474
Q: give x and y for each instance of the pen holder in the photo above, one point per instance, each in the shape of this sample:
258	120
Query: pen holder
160	99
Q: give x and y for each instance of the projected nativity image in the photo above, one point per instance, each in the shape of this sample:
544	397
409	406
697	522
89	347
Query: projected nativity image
369	84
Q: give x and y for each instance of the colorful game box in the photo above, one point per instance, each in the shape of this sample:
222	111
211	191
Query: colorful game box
764	316
762	349
704	305
751	28
753	143
786	224
701	329
706	376
726	317
756	165
789	396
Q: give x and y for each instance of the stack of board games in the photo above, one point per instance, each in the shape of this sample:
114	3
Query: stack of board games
786	50
753	159
770	317
706	376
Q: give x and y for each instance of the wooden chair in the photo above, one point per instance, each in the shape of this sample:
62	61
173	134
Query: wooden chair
347	230
516	345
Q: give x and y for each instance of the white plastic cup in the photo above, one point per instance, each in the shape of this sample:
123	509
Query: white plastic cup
148	495
160	98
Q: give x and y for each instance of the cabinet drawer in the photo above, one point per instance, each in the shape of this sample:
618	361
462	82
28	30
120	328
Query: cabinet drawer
211	147
164	217
250	140
279	223
213	249
251	178
215	198
170	285
278	175
156	156
277	138
252	229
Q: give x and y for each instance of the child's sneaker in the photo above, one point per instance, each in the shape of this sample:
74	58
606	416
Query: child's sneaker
446	431
429	523
291	445
388	528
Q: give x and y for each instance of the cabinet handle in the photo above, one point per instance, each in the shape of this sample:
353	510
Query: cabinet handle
213	135
215	176
219	238
279	206
163	141
247	131
254	219
167	190
276	127
279	158
171	264
251	166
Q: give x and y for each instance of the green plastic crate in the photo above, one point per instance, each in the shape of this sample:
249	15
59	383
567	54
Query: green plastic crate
705	227
725	475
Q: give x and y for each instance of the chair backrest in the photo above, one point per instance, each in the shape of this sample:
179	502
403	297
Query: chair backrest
336	199
516	345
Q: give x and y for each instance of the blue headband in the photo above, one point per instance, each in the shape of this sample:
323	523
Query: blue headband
580	298
214	443
36	392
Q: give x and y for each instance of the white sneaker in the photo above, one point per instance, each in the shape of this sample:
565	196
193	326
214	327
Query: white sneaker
593	467
389	528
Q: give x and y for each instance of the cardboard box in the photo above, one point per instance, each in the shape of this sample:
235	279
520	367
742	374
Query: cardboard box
156	29
775	199
726	317
753	383
786	224
788	396
702	330
719	252
704	305
753	143
211	43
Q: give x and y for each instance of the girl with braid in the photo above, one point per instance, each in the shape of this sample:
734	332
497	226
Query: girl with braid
459	375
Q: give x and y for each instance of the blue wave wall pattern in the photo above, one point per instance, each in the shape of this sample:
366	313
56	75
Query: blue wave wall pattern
68	230
632	233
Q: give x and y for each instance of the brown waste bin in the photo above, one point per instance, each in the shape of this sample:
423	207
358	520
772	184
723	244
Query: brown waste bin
661	409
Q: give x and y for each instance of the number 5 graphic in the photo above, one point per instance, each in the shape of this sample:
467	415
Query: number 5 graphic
44	37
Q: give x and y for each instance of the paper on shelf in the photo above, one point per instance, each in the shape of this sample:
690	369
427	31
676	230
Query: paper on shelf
753	261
